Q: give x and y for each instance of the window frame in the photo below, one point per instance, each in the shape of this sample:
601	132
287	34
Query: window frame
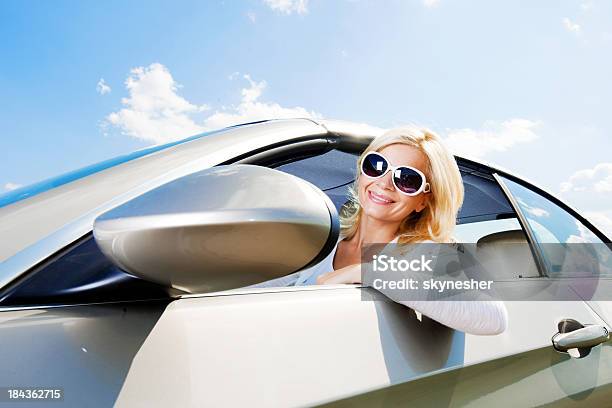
534	244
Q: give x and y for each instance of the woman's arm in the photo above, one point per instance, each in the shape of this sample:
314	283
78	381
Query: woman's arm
482	317
348	274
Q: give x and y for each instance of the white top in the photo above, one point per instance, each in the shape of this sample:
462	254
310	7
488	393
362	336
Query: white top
309	276
483	317
298	278
306	276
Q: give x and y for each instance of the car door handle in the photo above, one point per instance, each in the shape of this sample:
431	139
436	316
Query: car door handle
577	339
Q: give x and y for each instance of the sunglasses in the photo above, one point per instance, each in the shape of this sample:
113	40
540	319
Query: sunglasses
407	180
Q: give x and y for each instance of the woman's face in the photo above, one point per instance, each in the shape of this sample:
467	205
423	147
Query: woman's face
379	198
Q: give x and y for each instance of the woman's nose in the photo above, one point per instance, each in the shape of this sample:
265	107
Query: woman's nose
386	182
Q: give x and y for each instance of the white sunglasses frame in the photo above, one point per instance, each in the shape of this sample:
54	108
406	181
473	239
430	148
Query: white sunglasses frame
425	187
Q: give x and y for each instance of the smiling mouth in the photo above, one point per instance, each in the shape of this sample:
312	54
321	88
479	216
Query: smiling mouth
379	199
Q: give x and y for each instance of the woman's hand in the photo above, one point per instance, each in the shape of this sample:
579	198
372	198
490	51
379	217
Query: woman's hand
348	274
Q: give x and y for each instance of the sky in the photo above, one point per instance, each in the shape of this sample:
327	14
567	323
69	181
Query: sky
522	84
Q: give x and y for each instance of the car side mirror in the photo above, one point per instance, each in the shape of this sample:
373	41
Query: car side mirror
221	228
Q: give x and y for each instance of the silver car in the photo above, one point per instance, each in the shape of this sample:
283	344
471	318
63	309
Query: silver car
127	283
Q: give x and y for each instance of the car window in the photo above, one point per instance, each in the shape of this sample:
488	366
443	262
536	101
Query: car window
488	220
549	222
81	274
559	234
333	172
475	231
483	199
326	171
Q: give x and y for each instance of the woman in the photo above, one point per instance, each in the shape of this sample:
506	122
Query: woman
408	189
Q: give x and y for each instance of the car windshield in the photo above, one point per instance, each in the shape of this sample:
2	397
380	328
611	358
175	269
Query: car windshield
42	186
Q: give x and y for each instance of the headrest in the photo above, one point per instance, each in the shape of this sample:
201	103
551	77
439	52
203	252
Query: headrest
503	237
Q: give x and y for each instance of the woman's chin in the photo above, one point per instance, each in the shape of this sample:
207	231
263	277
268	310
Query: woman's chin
377	212
383	213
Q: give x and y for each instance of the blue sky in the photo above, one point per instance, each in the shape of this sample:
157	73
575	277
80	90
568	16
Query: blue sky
522	84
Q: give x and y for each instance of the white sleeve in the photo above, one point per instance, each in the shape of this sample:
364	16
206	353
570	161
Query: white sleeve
481	315
475	317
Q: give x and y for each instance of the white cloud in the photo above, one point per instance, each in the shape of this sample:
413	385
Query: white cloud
102	87
493	137
154	111
595	180
252	16
601	220
571	26
252	93
11	186
431	3
535	211
250	109
586	5
288	6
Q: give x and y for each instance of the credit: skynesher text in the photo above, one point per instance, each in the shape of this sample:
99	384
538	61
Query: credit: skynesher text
432	284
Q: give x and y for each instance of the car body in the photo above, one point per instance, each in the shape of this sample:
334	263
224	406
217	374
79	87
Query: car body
70	319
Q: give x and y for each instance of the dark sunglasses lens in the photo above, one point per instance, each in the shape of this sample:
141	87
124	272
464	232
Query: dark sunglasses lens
407	180
374	165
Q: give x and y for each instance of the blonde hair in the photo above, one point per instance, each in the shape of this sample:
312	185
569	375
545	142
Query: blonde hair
437	220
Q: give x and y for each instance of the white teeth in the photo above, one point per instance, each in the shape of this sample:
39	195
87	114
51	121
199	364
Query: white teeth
376	197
